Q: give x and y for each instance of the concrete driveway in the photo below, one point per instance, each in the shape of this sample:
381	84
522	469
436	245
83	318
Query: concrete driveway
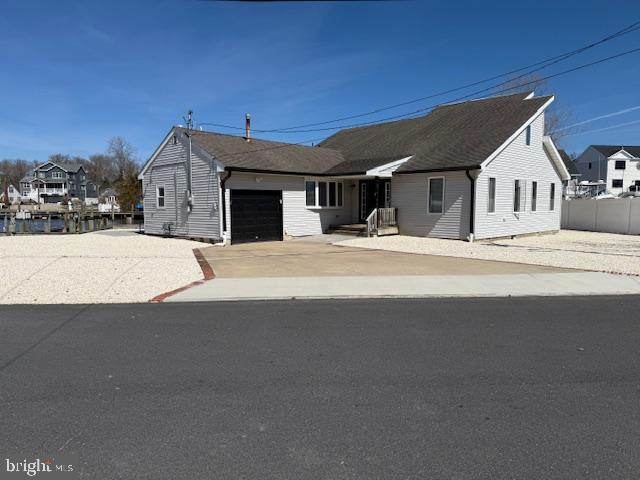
308	269
306	258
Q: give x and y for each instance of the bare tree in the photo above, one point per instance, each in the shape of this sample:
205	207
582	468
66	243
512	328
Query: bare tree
556	117
124	156
15	170
101	170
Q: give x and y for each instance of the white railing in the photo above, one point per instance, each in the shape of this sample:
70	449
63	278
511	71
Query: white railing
372	222
381	218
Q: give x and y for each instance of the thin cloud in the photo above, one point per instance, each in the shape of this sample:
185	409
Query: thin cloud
601	117
612	127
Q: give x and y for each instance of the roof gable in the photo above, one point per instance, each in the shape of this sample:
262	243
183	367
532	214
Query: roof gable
610	150
457	136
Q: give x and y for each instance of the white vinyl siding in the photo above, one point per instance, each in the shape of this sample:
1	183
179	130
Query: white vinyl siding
527	164
409	196
297	218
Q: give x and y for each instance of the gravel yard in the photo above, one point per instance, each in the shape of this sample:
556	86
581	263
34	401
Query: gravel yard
111	266
603	252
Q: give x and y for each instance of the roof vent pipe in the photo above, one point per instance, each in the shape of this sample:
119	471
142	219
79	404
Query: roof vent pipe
247	127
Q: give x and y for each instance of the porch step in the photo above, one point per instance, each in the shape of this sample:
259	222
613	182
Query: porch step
355	229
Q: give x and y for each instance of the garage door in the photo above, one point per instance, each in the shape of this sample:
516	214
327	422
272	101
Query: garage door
256	215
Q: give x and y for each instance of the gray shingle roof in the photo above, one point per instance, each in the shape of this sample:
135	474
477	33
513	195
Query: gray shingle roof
569	163
451	137
456	136
265	155
608	150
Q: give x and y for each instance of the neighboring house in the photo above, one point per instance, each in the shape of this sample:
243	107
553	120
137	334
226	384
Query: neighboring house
109	201
13	194
570	187
478	169
618	166
51	182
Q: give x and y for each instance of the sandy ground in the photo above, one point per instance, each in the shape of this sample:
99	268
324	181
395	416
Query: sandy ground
603	252
110	266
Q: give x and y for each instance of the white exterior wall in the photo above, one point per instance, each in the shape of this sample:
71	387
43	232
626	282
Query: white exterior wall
297	218
169	169
629	175
523	162
409	196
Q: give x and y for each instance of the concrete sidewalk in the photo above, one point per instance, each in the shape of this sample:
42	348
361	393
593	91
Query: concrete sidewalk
535	284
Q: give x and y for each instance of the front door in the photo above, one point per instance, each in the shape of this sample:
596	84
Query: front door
373	194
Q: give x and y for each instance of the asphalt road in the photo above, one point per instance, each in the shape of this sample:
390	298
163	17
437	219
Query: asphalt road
388	389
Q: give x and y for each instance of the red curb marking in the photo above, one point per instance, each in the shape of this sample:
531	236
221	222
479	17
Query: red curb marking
207	273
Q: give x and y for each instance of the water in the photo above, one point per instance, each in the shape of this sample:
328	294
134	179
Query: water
33	225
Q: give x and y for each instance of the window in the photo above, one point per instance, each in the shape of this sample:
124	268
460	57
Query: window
589	165
56	175
616	183
491	208
310	192
387	194
160	197
323	194
528	135
621	165
552	197
534	196
436	195
517	191
332	195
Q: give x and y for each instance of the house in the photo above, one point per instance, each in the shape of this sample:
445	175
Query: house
109	201
570	187
13	195
52	182
477	169
617	166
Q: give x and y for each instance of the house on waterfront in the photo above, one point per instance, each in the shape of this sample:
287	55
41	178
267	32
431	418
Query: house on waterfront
108	201
51	182
13	195
476	169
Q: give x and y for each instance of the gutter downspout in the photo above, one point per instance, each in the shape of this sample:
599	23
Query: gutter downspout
223	181
473	206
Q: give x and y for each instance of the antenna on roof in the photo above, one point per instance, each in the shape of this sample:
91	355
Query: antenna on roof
189	119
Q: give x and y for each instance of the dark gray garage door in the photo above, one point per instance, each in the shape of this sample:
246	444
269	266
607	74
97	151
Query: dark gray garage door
256	215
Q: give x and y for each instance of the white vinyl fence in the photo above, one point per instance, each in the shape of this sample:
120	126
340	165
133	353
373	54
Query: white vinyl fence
613	215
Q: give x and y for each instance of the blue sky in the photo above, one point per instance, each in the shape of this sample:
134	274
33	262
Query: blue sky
76	73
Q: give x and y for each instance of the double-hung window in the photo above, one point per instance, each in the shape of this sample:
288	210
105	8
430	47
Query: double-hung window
620	165
517	195
323	194
436	195
491	207
534	196
310	193
552	197
160	198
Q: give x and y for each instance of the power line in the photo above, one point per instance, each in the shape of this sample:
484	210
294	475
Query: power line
541	65
580	67
465	97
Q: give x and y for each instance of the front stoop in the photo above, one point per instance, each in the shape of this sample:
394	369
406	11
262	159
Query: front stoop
354	230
